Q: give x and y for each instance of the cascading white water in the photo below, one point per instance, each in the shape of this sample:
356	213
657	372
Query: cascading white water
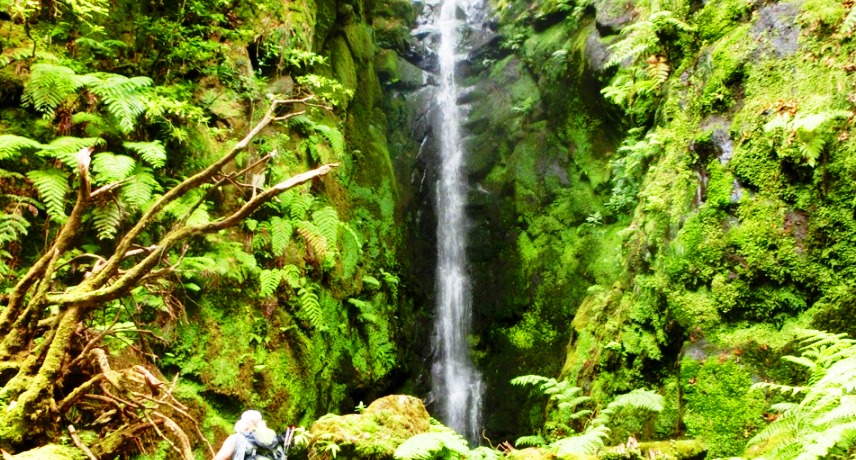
457	385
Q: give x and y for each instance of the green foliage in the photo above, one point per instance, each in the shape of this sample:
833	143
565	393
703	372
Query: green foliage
53	187
811	132
823	423
51	86
11	146
153	153
107	219
629	167
564	439
434	445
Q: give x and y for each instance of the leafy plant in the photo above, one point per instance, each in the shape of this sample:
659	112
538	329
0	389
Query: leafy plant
559	436
433	445
823	423
810	132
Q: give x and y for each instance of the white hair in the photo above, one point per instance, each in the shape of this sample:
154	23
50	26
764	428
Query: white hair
250	420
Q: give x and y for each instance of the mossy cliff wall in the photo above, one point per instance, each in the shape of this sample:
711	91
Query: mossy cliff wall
231	348
664	217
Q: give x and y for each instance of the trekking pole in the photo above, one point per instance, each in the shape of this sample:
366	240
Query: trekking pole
289	434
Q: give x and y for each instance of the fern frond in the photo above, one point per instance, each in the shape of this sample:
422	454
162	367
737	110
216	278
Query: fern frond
49	86
291	275
299	205
334	137
280	235
122	96
350	232
109	167
52	185
140	187
65	149
327	221
153	153
12	227
310	307
11	146
587	443
313	237
530	441
425	446
638	399
530	380
269	280
107	219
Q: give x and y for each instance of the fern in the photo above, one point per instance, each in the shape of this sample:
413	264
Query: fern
587	443
52	185
530	441
12	227
291	275
11	146
310	307
432	445
123	97
153	153
327	221
825	417
140	187
313	237
299	205
334	137
107	219
65	149
269	280
810	131
49	86
280	235
109	167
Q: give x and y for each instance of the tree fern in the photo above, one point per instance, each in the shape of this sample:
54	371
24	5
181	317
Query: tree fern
310	307
109	167
107	219
12	146
153	153
269	280
52	185
433	445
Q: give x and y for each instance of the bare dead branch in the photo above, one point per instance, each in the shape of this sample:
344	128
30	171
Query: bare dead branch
80	445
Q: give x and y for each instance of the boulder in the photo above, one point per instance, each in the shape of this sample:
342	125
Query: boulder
373	434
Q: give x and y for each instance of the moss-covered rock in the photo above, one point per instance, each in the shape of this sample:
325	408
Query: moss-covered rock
373	434
51	452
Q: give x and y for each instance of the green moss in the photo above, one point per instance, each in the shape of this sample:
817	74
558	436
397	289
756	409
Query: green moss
719	407
342	62
51	452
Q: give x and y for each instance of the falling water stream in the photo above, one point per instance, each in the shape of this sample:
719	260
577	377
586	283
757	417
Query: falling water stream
457	385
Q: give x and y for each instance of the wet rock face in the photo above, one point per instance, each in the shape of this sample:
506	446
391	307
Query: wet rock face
776	31
613	15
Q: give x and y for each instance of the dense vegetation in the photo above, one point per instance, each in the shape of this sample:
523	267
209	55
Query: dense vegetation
213	205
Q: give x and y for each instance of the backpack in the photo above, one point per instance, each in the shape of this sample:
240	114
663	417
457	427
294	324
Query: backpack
265	444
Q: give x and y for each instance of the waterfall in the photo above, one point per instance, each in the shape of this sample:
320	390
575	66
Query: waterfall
456	384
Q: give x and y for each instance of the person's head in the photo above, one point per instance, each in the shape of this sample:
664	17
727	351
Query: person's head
250	420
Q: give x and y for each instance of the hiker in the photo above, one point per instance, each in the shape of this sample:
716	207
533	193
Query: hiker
252	440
